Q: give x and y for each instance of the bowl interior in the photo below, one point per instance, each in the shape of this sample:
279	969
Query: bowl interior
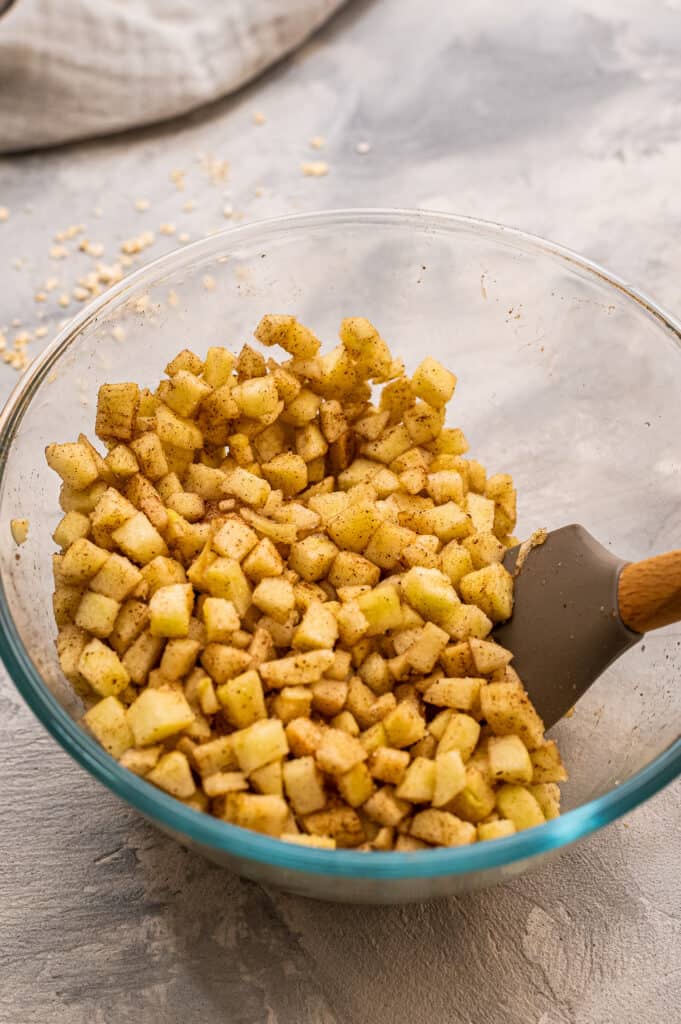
565	380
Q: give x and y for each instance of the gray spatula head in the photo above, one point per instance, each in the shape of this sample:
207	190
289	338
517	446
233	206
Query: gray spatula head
566	627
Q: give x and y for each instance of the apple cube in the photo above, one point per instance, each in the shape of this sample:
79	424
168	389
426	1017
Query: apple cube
450	777
430	593
102	669
170	609
461	733
139	540
107	721
259	744
243	700
157	714
404	725
418	784
509	760
318	629
97	614
519	805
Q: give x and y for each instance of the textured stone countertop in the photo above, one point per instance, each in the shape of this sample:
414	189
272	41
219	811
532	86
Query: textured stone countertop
561	119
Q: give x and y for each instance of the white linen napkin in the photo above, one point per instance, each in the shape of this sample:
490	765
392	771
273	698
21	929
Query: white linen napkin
76	68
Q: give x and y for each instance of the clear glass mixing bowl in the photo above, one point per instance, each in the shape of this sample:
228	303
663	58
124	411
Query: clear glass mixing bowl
568	379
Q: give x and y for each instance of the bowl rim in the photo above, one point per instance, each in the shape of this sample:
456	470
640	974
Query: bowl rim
196	827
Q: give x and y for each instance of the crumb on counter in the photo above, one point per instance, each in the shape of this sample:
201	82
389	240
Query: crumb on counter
314	168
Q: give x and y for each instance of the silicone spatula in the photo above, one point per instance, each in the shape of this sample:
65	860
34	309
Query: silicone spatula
577	608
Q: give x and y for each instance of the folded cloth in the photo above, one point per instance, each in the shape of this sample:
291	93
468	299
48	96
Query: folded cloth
89	67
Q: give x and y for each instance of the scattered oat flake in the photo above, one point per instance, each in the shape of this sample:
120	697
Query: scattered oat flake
259	117
228	211
138	244
51	283
183	237
4	214
177	177
363	147
209	283
21	340
91	248
189	205
173	300
167	229
40	296
318	142
64	300
68	233
58	252
315	168
41	332
142	205
214	167
81	293
118	333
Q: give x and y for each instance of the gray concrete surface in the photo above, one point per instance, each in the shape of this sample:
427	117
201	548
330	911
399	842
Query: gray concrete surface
562	119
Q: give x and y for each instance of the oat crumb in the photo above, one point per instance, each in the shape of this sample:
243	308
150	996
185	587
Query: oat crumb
118	333
51	283
80	293
167	229
95	249
363	148
17	322
317	142
64	300
189	205
177	177
209	283
40	296
41	332
173	299
227	211
58	252
315	168
259	117
4	214
142	204
183	237
18	263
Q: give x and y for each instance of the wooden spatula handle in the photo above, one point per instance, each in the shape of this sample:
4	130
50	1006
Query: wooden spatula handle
650	592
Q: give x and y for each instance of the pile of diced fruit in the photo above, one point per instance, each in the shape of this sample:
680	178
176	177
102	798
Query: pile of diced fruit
276	592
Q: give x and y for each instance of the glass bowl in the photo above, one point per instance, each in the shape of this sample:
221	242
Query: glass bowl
568	379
